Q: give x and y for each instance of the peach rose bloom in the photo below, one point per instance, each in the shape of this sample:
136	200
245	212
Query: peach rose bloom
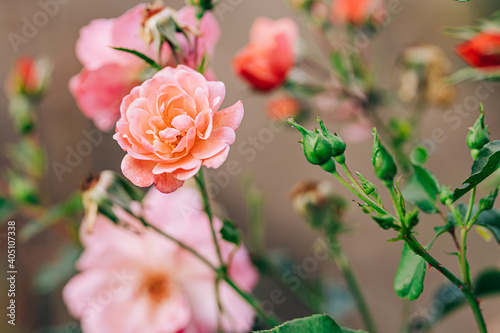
132	281
171	125
266	61
357	12
282	107
108	75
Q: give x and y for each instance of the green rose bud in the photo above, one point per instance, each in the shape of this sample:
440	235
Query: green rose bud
488	202
317	148
445	195
368	187
419	155
412	218
478	134
383	162
337	143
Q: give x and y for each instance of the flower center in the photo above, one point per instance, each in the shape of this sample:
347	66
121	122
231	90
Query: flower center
157	286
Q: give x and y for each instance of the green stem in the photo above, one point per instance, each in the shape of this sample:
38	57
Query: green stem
200	180
464	264
345	267
361	196
471	205
419	250
222	275
180	244
395	202
351	177
269	318
456	214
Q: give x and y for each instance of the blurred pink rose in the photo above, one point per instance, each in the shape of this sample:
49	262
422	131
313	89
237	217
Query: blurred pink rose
141	282
357	131
357	12
170	126
109	75
205	34
266	61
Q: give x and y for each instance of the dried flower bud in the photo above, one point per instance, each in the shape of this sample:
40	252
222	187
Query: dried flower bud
317	148
478	134
105	192
425	68
383	162
318	204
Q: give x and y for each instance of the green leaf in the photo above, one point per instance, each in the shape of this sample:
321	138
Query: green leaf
7	209
144	57
472	74
422	189
466	32
409	279
449	298
486	163
230	232
314	324
69	208
339	67
490	219
54	274
301	90
419	155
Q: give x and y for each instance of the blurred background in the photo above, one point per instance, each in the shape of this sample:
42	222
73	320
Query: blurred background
275	161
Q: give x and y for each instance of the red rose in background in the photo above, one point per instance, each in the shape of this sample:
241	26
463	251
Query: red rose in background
482	51
357	12
270	55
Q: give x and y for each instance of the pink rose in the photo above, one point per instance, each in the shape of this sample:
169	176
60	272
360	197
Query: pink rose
109	75
206	34
266	61
170	126
142	282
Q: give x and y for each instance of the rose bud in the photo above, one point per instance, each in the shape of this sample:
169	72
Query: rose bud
317	148
28	76
478	134
338	144
482	51
281	108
